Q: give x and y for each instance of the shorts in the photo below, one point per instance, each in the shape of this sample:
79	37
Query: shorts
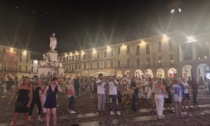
187	96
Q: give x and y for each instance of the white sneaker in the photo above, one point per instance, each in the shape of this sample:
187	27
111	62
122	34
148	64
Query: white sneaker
184	113
72	112
118	113
111	113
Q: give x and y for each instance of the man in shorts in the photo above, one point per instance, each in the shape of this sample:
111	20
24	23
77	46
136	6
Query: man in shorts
186	93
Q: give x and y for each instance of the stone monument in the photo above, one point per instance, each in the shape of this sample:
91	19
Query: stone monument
50	64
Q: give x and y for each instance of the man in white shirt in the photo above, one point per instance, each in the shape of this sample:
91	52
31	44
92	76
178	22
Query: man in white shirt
113	97
101	93
186	92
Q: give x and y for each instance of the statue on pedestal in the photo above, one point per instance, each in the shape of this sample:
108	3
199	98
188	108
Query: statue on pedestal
53	42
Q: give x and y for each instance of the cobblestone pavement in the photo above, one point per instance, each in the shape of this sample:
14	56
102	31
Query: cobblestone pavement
87	114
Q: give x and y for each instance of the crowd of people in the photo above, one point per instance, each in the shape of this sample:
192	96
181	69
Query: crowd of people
108	90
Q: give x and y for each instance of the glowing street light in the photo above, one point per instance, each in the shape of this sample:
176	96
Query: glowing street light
94	50
108	49
191	38
11	50
82	52
24	52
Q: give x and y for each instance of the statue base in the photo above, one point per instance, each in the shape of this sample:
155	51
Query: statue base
52	56
45	72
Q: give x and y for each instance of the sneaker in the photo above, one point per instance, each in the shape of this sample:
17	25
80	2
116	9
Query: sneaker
72	112
118	113
161	117
111	113
185	113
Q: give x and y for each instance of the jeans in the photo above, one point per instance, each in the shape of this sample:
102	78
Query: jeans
194	96
71	103
114	102
133	104
101	102
159	100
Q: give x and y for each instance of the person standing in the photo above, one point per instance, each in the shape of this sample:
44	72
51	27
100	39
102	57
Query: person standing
113	96
76	86
177	97
101	94
194	90
50	103
71	95
37	96
24	98
186	93
159	97
135	94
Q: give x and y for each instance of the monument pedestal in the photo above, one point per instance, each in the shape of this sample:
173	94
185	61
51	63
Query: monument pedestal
50	65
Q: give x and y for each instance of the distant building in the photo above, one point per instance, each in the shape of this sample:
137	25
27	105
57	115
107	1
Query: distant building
14	62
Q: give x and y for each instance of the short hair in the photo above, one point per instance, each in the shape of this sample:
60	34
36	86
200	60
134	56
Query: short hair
100	75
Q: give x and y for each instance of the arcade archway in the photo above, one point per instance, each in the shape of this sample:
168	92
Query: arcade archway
148	73
172	73
202	72
138	73
187	71
160	73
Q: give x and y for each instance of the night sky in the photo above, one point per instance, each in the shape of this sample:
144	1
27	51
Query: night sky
79	24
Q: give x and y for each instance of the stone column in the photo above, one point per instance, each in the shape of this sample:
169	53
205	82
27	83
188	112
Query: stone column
194	52
180	53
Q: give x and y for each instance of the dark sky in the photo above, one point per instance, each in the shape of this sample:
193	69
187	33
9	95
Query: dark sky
79	24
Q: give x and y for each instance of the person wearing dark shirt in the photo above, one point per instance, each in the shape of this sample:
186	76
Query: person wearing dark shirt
194	90
76	86
135	94
37	95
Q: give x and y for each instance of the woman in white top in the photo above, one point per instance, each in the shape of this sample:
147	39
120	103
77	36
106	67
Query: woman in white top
71	95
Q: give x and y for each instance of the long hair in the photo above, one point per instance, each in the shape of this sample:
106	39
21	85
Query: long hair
25	80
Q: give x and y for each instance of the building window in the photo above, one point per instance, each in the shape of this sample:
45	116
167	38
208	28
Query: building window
84	57
105	54
72	58
76	66
105	64
147	49
118	63
19	68
148	61
90	56
79	66
84	65
138	62
111	63
98	56
170	44
79	56
91	66
112	53
128	49
20	59
159	47
26	68
159	59
97	64
118	50
128	62
137	50
171	58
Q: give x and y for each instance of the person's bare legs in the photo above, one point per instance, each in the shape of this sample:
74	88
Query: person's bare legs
54	116
26	118
47	117
15	119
